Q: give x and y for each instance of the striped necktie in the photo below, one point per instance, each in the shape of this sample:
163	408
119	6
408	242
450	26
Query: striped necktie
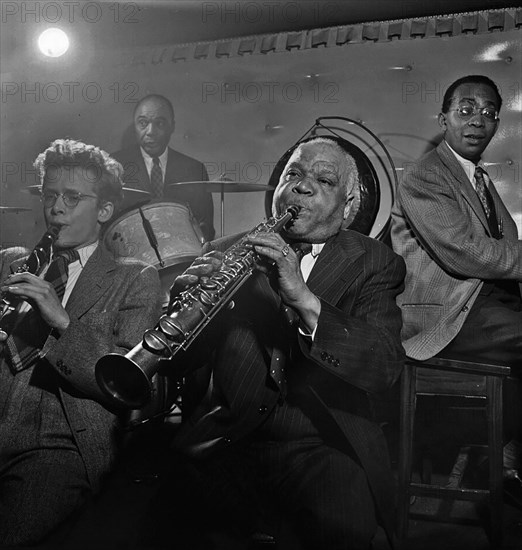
486	199
156	179
24	345
481	188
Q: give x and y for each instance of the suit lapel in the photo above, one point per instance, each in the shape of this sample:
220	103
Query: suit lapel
465	187
136	162
170	170
503	215
145	178
337	262
94	281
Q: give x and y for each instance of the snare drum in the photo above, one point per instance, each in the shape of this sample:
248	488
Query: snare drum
175	230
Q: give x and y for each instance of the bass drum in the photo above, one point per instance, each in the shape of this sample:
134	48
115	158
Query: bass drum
170	225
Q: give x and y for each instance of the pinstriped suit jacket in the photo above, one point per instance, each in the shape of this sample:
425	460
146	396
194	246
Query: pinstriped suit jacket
111	305
356	350
440	229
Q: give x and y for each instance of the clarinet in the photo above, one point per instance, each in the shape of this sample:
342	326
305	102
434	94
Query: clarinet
34	263
126	379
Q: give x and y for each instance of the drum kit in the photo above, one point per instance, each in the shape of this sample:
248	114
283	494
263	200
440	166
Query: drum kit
164	234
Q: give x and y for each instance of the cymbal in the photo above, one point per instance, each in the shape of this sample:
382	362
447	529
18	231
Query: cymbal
15	209
128	192
33	190
225	186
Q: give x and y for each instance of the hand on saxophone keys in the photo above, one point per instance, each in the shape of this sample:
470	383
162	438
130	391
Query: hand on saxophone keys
203	266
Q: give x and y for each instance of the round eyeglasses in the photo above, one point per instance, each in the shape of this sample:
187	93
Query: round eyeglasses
70	198
465	112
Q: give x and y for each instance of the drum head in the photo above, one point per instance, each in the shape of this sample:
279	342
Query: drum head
172	228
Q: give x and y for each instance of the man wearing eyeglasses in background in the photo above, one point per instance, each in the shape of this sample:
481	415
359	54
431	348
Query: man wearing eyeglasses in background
58	440
463	256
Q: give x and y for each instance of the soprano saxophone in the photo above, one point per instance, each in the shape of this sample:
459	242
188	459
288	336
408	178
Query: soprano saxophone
126	379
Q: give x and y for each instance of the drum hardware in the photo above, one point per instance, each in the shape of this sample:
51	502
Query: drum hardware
13	209
173	230
149	232
223	186
33	190
128	192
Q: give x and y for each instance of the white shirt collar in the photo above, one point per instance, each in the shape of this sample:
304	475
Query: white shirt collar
316	249
468	166
162	160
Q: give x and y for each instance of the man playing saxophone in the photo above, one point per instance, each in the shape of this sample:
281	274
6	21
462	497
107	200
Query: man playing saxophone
285	422
57	438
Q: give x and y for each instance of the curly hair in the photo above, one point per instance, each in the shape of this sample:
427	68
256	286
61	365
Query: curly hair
104	172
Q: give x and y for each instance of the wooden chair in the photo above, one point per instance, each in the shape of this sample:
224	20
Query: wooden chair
457	379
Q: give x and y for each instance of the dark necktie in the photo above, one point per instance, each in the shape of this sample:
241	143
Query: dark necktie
156	179
480	185
487	201
302	249
24	346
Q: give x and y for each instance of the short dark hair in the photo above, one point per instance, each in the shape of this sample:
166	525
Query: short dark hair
70	153
470	79
157	97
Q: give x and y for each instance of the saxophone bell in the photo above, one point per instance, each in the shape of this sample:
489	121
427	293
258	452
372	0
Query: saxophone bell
126	380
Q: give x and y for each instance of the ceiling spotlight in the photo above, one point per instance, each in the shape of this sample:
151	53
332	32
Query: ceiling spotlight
53	42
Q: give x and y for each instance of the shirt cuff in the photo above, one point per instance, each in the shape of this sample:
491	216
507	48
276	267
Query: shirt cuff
308	334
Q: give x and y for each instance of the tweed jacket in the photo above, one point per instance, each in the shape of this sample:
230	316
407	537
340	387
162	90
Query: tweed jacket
179	168
356	350
440	229
111	305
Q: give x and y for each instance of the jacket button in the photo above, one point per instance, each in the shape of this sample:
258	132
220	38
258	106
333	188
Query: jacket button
464	309
324	355
336	363
330	359
263	409
226	440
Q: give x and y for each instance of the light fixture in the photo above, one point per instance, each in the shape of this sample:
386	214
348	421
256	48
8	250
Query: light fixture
53	42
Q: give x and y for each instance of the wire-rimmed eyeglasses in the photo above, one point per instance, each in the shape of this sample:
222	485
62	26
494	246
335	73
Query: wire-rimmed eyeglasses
70	198
465	112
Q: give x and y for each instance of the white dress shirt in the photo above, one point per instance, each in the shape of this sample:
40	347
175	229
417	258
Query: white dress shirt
307	264
470	167
147	159
74	270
